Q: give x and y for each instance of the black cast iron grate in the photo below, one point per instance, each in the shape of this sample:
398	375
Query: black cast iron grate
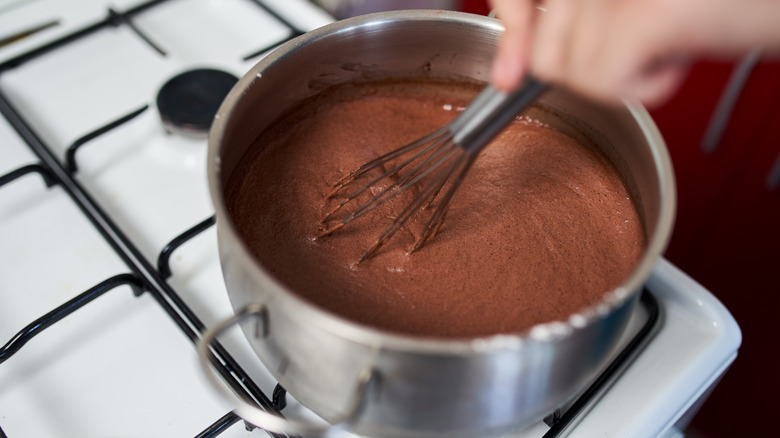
142	277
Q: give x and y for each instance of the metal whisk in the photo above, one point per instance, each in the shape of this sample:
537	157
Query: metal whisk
431	162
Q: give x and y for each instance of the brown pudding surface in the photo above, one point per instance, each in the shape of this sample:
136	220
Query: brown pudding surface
541	228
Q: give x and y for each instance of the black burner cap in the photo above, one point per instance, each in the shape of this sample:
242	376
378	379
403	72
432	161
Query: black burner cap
189	101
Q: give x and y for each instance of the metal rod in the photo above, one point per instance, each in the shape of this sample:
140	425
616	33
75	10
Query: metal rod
163	260
220	425
117	18
56	315
13	175
70	154
294	32
14	62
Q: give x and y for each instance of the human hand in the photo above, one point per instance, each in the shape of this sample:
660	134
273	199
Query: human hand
613	49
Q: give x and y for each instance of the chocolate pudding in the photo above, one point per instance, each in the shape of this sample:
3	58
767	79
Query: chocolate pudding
541	228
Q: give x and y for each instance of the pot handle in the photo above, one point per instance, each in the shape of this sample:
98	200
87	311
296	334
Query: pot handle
247	410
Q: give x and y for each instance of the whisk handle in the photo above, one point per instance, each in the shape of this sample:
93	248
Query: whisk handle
490	112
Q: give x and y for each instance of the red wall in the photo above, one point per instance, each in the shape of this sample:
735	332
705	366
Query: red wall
727	234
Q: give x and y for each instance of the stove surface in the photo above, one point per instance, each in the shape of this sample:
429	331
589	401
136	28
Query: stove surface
78	88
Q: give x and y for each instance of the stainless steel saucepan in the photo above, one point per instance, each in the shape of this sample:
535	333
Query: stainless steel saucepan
389	385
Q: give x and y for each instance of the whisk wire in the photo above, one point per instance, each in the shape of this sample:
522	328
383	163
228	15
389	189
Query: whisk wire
437	218
383	159
379	161
426	196
443	150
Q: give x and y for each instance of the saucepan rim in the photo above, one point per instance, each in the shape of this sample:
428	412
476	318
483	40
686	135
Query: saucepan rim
543	333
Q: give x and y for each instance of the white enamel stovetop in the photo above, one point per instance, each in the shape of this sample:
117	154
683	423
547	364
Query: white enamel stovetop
119	366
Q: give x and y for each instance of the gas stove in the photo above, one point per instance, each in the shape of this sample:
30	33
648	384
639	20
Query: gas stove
109	268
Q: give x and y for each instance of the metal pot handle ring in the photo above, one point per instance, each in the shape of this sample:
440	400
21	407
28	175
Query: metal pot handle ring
248	410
